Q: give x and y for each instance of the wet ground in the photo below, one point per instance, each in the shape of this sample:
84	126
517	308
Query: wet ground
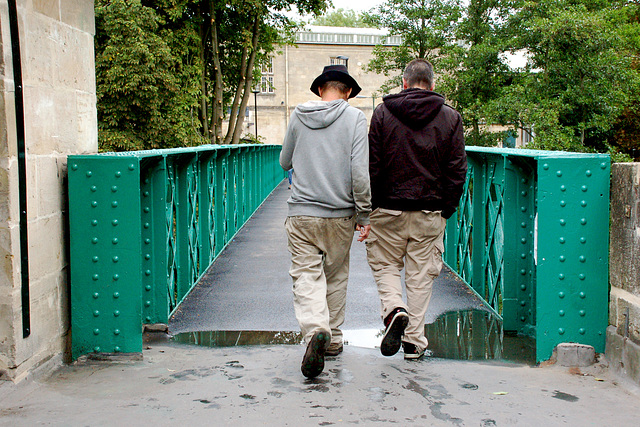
234	359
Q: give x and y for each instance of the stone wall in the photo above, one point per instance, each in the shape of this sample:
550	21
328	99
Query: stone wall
56	40
623	334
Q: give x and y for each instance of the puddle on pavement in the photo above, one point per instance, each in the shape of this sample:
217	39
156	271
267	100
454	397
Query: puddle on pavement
464	335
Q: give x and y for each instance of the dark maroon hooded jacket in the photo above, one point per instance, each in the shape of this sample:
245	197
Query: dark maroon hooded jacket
417	159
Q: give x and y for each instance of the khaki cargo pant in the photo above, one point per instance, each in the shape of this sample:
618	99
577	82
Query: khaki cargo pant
319	250
412	240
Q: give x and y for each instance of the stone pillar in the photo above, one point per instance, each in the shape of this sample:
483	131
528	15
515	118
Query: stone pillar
56	40
623	334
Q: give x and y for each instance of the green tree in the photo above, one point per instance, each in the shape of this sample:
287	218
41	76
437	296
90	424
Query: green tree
341	18
426	27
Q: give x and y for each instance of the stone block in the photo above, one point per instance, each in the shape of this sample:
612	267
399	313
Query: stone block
624	271
39	46
79	14
50	8
46	246
8	138
572	354
626	304
50	190
623	356
8	259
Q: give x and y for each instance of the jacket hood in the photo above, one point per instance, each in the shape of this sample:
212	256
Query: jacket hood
320	114
414	107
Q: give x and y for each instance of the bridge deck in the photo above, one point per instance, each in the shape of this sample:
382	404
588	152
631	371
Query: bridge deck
248	288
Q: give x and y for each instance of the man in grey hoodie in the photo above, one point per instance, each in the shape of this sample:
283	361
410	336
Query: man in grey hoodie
326	145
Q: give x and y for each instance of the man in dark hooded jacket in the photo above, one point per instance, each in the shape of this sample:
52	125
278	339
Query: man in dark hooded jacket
417	167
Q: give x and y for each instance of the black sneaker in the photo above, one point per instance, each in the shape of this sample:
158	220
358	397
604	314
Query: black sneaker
395	322
411	352
313	361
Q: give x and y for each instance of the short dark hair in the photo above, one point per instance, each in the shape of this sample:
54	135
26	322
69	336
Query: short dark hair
419	72
341	87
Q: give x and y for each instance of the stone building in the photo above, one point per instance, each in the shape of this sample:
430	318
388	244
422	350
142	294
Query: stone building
54	79
285	83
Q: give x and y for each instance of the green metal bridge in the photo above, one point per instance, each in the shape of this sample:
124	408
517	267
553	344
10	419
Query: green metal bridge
530	237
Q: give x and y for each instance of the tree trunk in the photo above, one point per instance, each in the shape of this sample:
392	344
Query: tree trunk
248	80
233	118
218	90
205	28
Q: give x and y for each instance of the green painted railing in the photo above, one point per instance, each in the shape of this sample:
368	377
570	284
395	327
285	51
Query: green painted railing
145	226
531	238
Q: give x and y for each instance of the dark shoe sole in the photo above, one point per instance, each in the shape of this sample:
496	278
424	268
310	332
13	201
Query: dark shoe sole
313	361
392	339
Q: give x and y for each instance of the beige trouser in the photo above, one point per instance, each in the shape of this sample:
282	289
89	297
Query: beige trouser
414	237
319	250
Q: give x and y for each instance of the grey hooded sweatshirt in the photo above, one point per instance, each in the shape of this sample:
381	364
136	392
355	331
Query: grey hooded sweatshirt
326	145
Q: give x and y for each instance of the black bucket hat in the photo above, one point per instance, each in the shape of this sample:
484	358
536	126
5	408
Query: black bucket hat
336	73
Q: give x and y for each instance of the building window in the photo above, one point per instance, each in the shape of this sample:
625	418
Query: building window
335	60
266	80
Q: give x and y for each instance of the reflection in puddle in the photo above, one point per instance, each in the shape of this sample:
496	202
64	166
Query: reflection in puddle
465	335
234	338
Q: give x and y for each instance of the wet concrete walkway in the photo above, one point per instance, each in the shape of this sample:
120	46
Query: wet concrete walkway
248	289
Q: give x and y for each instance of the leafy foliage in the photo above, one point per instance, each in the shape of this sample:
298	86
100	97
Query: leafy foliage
341	18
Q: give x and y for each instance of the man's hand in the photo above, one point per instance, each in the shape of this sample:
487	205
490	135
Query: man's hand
364	231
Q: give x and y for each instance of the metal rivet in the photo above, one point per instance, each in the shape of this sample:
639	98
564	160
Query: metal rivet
116	277
561	276
523	287
523	303
114	204
523	224
96	313
116	349
523	240
96	295
583	221
147	256
94	222
562	258
74	167
581	331
115	241
583	203
96	349
147	303
116	332
115	259
523	272
145	194
560	294
559	173
563	188
583	240
584	188
523	193
114	222
148	287
116	313
563	222
588	173
603	165
522	318
562	240
545	166
147	225
89	173
95	259
94	204
582	313
523	180
94	240
563	203
561	313
523	255
582	295
131	167
147	273
147	241
95	277
147	210
93	188
561	331
148	319
523	209
118	174
114	188
96	331
116	295
582	258
581	276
